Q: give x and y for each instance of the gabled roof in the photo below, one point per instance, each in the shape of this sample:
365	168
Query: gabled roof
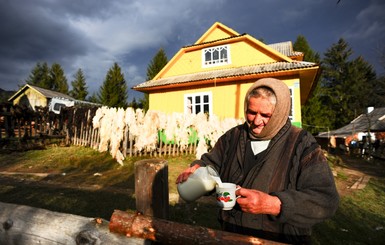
283	61
373	121
216	27
219	34
286	48
226	73
45	92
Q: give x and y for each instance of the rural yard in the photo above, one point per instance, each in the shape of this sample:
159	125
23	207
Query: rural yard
80	181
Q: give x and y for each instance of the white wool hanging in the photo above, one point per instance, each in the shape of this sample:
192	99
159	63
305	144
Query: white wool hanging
184	131
117	134
130	121
143	129
148	138
105	128
200	124
171	126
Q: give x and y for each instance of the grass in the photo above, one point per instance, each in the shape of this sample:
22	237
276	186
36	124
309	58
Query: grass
89	183
360	218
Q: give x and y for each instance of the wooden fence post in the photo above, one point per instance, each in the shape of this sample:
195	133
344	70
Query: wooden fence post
151	187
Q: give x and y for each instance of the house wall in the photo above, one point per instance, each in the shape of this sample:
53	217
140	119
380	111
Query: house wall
31	99
227	100
241	54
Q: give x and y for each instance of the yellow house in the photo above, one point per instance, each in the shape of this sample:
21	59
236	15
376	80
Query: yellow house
213	75
32	96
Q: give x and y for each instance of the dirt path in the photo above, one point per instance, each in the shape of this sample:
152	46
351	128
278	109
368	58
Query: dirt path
356	172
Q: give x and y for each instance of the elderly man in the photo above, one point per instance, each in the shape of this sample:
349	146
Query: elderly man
287	185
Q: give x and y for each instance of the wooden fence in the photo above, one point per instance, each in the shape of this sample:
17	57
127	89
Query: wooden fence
149	224
22	126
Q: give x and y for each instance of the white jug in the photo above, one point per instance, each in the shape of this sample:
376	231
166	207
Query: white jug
198	184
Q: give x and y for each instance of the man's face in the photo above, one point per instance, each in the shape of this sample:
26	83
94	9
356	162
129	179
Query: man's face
259	112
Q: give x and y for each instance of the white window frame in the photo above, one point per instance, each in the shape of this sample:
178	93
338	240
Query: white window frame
216	61
292	111
191	103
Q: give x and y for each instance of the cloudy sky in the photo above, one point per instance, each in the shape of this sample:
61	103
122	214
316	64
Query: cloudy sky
93	34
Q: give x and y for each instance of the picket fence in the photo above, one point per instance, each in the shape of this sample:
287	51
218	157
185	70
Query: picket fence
122	132
129	132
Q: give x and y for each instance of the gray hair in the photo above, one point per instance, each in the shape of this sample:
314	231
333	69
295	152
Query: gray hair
263	92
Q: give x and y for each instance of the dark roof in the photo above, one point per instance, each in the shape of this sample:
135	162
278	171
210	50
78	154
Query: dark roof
214	41
45	92
50	94
230	72
373	121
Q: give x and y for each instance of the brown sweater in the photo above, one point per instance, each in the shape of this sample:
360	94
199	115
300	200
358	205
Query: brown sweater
293	168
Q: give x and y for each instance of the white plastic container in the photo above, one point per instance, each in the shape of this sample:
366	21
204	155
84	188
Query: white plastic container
198	184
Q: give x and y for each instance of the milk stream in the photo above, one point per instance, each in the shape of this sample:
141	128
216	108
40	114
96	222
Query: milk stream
217	180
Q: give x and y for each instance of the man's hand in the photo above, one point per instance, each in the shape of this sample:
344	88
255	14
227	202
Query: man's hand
185	174
257	202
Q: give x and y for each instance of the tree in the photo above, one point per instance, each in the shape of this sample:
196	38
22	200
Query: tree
79	88
113	92
135	104
313	112
94	98
58	80
347	85
39	76
302	45
49	78
379	87
156	65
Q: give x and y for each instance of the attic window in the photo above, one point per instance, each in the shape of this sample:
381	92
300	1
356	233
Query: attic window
216	56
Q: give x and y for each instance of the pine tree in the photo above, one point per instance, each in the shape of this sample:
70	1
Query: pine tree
79	88
58	80
302	45
113	92
313	112
347	84
156	65
94	98
39	76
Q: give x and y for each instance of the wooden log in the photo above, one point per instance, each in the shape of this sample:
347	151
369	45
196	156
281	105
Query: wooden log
28	225
134	224
151	187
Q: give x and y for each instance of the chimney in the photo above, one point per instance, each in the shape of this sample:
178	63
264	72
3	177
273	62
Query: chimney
370	109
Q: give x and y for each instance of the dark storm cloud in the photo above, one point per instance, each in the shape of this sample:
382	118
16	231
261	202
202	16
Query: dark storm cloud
33	33
93	34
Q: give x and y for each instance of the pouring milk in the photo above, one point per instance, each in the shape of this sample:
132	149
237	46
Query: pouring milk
201	182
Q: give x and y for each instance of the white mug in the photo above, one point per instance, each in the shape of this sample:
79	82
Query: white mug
226	198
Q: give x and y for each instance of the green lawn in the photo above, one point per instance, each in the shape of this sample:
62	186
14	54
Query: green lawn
85	182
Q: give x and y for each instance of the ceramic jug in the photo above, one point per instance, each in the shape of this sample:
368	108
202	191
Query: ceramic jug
201	182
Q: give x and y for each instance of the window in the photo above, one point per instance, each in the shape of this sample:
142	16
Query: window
198	102
291	114
58	106
216	56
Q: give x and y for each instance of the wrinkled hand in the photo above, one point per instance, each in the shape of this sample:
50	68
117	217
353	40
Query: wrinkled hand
257	202
185	174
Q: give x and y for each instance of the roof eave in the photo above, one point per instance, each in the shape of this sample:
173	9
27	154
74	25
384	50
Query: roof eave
209	81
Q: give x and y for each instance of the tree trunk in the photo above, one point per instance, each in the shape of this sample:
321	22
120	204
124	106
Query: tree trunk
28	225
133	224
